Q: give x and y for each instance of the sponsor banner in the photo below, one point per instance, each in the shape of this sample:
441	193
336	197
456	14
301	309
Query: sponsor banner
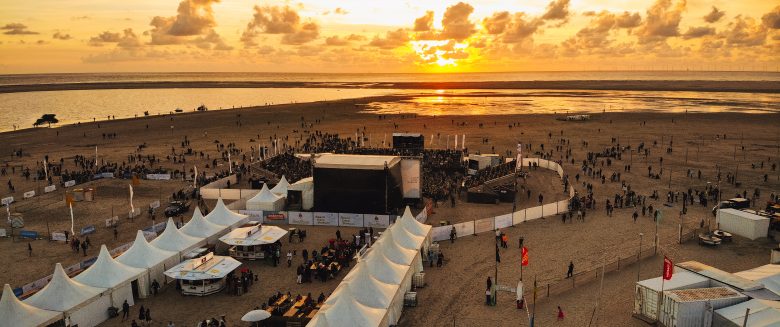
36	285
29	194
504	221
410	175
112	221
274	217
121	249
483	225
107	175
7	200
133	214
326	219
254	215
50	188
56	236
158	177
86	263
376	221
28	234
70	183
88	230
441	233
464	229
351	219
2	232
300	218
155	204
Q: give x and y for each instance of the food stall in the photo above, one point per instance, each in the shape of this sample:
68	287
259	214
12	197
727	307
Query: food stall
250	242
203	276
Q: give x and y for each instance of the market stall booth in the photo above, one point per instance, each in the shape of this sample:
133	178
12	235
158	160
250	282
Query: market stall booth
80	304
199	227
265	200
203	276
251	242
120	280
154	260
18	313
172	239
223	216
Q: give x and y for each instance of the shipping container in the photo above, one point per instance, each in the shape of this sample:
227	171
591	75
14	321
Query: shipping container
762	314
647	293
694	307
743	223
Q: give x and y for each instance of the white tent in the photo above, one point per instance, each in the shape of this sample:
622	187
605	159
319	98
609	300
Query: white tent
762	314
254	235
85	305
387	271
172	239
769	275
281	188
199	227
398	254
367	290
142	255
115	276
17	313
265	201
410	224
343	312
223	216
306	187
404	238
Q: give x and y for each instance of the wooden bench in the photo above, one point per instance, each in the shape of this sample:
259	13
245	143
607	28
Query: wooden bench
294	309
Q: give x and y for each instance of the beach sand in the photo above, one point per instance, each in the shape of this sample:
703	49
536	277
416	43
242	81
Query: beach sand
456	291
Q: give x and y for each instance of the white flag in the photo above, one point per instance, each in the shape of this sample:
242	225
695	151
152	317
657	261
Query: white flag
448	141
46	170
463	143
519	159
230	164
195	180
70	204
96	156
384	141
431	139
132	208
8	210
456	141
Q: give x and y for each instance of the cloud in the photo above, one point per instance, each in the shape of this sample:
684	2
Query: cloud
80	17
520	29
497	23
61	36
279	20
336	40
628	20
456	24
193	24
714	15
126	39
557	10
596	37
744	32
41	42
266	49
772	18
392	39
212	40
424	23
16	29
340	11
662	22
697	32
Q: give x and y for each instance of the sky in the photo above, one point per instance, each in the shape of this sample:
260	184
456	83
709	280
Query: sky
364	36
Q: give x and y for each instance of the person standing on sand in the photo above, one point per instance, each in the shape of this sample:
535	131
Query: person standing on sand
453	234
570	272
489	283
487	296
125	310
560	314
29	249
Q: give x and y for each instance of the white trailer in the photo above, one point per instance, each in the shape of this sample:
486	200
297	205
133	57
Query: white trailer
648	292
743	223
694	307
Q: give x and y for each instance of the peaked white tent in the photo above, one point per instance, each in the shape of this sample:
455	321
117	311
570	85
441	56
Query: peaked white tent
281	188
404	238
410	224
265	200
387	271
367	290
172	239
112	275
395	253
223	216
199	227
84	305
143	255
342	312
306	187
18	313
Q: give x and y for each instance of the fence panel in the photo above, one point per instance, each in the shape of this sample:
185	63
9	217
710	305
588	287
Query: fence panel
484	225
533	213
464	229
550	209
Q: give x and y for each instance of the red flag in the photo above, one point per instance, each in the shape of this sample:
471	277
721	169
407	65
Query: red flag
668	268
524	253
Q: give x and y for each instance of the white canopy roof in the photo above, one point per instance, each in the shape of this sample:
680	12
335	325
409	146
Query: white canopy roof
172	239
264	196
198	226
344	312
395	253
221	215
107	272
383	269
680	278
302	184
769	275
411	225
354	161
368	290
62	293
762	313
142	254
281	188
206	267
404	238
253	235
18	313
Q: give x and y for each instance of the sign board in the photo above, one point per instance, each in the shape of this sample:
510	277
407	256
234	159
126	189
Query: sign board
274	217
133	214
410	175
6	201
50	188
29	194
300	218
2	232
28	234
70	183
351	219
155	204
376	221
56	236
504	221
326	219
254	215
112	221
87	230
441	233
159	177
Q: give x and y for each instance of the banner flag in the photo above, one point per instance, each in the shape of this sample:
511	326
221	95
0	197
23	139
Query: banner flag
456	141
463	143
46	170
668	268
524	256
71	219
519	158
230	164
195	180
132	208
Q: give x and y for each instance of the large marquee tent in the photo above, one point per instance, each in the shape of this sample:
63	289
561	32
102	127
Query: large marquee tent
172	239
17	313
112	275
223	216
265	200
81	304
280	189
143	255
199	227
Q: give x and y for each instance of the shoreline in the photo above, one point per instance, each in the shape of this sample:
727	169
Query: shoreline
603	85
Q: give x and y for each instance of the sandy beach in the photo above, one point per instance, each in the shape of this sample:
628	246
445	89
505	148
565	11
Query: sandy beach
747	145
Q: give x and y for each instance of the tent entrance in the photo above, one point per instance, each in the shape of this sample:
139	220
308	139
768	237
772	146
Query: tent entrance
134	287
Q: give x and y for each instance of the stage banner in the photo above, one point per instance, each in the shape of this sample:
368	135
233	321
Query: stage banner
410	174
50	188
28	234
56	236
351	219
376	221
274	217
464	229
483	225
88	230
253	215
326	219
441	233
300	218
70	183
29	194
503	221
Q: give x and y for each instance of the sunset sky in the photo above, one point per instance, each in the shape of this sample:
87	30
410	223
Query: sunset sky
356	36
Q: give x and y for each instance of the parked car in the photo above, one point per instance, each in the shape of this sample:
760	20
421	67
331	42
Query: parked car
176	208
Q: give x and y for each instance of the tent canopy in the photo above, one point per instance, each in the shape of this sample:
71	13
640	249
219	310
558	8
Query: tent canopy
762	313
198	226
264	196
18	313
411	225
223	216
107	272
172	239
62	293
281	188
769	275
254	235
368	290
351	161
383	269
395	253
206	267
302	185
404	238
346	313
142	254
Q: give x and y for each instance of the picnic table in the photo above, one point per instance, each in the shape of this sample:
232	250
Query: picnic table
294	309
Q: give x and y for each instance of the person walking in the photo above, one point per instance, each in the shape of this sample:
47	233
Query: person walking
142	314
570	272
487	296
148	317
489	283
125	310
29	249
453	234
155	287
560	314
289	258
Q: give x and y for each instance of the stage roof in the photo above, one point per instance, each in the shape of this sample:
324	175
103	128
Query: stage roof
351	161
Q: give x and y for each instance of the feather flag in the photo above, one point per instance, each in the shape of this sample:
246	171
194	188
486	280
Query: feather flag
456	141
46	170
524	256
463	142
195	180
230	164
71	219
132	208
